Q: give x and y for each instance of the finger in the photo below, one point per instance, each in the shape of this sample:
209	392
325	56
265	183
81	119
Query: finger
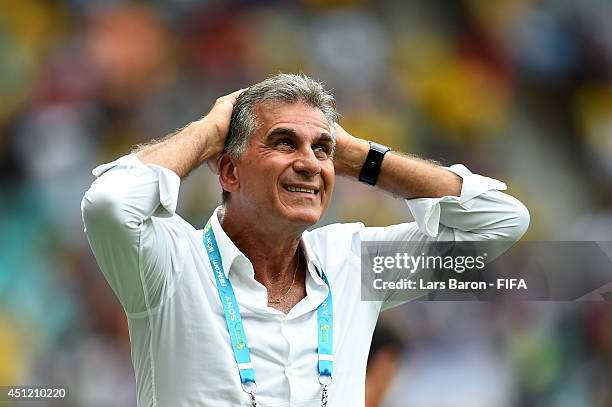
238	92
234	95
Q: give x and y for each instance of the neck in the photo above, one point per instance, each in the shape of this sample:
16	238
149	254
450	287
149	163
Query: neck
272	251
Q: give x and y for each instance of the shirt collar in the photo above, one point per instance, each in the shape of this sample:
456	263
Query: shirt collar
312	261
227	249
229	252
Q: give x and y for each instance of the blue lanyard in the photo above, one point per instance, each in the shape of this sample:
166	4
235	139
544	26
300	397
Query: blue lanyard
233	319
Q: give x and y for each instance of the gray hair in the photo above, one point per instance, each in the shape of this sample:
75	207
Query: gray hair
282	87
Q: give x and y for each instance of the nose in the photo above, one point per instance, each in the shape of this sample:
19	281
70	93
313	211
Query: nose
307	163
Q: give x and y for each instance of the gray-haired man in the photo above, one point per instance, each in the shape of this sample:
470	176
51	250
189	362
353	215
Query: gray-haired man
254	309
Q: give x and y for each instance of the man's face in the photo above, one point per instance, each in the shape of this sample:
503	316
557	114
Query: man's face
287	173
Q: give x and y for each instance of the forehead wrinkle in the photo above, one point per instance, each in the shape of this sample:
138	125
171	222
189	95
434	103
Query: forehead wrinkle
271	107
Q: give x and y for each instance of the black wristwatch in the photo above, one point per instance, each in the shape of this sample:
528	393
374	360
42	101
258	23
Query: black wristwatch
371	168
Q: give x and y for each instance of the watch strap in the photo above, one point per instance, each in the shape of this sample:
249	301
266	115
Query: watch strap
371	168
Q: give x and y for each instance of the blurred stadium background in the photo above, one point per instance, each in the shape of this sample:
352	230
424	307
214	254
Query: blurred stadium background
520	90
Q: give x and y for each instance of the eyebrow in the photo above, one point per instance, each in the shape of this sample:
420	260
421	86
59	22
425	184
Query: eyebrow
285	131
281	131
325	138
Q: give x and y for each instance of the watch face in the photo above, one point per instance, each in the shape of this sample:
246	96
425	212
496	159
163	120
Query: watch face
379	147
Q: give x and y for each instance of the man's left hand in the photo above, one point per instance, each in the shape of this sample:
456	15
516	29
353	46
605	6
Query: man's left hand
350	154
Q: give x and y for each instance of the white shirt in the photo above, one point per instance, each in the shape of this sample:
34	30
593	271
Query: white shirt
157	266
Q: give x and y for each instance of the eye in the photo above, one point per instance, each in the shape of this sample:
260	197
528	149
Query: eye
322	151
285	144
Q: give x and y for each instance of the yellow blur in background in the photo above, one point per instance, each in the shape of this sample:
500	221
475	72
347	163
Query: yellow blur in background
519	91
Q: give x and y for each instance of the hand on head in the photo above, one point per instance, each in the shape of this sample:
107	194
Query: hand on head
219	118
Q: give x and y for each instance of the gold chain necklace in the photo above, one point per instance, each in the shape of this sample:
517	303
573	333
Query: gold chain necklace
282	297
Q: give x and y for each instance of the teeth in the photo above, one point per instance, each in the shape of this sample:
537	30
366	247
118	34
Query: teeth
297	189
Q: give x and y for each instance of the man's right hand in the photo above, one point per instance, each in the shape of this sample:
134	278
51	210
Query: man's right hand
200	141
218	121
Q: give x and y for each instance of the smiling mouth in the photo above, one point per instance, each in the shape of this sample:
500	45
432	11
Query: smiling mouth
301	189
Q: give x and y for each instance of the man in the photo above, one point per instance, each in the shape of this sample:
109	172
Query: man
255	310
383	359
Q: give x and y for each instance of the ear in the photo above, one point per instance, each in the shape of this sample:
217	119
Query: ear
228	173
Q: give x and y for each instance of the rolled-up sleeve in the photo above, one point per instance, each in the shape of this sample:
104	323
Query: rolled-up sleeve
481	212
127	213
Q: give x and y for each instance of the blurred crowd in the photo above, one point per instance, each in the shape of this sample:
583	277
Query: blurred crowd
518	90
